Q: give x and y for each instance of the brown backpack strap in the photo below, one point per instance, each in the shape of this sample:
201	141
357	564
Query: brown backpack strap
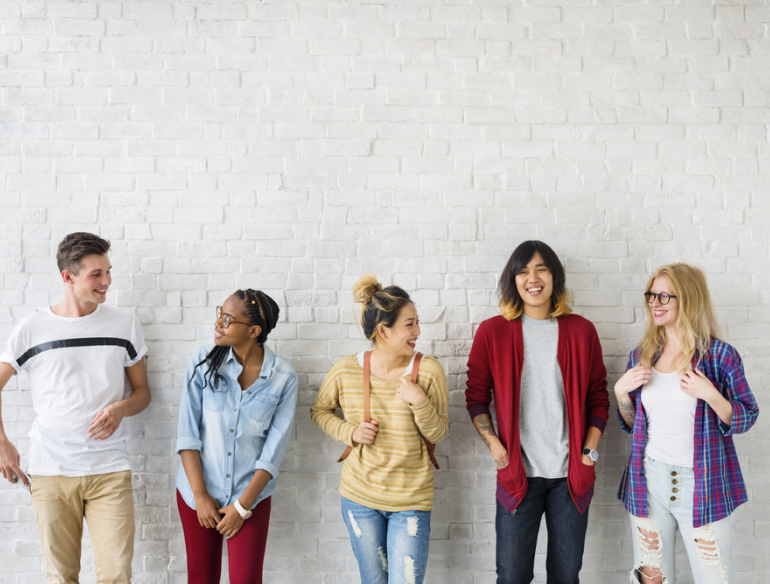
416	366
429	445
366	389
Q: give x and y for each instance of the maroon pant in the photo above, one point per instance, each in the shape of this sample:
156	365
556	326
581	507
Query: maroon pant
245	551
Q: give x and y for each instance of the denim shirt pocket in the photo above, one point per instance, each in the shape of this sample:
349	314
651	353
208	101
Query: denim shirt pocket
262	407
214	399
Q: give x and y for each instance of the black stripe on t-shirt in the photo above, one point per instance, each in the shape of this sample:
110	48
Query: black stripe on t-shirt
85	342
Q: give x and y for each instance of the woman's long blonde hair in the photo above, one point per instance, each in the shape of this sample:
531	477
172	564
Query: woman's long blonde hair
697	322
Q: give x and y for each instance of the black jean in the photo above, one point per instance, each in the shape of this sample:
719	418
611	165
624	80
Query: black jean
517	534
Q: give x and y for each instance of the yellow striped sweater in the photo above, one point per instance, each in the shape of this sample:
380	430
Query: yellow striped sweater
393	473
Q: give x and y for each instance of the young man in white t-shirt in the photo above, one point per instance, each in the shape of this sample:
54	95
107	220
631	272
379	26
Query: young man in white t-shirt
78	355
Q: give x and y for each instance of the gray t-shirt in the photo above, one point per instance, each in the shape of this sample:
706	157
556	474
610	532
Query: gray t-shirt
542	410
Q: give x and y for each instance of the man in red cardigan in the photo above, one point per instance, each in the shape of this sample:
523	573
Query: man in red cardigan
544	367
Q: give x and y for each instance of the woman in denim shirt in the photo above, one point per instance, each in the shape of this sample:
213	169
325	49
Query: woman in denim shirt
234	423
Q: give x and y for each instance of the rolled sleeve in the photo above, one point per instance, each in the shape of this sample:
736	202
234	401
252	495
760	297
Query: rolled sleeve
137	342
264	465
187	443
6	358
736	391
15	347
190	409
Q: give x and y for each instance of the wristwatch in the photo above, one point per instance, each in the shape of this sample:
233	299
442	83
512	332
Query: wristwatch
592	454
244	513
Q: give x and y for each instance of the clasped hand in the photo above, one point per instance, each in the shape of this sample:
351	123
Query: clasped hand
226	520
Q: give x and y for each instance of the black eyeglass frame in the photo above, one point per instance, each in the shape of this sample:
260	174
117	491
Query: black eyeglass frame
227	320
650	297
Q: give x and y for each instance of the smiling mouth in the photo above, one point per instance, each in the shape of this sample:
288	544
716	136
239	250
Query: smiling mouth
412	343
534	291
659	312
98	291
217	334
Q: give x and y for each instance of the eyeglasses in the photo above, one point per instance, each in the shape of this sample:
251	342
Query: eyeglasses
663	298
227	320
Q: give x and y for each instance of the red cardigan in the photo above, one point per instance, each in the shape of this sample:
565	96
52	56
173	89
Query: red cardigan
495	366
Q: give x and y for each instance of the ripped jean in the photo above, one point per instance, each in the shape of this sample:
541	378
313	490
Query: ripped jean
391	546
670	491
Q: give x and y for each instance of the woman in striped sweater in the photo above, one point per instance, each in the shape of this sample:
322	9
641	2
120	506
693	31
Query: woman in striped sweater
387	481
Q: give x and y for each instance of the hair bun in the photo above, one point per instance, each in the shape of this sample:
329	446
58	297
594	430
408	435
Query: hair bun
366	287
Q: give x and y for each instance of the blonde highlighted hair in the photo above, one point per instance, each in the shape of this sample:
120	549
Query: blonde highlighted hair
378	305
696	324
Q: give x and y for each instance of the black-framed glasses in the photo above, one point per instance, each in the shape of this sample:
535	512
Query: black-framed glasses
227	320
663	298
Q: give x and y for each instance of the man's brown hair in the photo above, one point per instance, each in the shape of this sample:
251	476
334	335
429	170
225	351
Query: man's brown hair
76	246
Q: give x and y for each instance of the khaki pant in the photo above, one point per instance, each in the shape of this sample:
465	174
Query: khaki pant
107	503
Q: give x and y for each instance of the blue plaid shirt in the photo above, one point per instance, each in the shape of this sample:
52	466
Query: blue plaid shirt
719	486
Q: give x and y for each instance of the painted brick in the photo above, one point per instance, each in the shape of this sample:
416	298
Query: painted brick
291	147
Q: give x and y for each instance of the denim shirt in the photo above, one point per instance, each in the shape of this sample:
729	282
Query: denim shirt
237	432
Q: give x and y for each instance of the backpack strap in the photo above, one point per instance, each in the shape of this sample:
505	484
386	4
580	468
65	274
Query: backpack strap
416	366
367	386
428	444
366	391
367	413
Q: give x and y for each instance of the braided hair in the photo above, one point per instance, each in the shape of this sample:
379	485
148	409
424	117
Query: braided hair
262	311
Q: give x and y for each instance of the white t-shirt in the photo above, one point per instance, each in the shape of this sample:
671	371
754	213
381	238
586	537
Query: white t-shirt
76	367
670	420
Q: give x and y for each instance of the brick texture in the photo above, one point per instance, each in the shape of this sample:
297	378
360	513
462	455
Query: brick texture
291	146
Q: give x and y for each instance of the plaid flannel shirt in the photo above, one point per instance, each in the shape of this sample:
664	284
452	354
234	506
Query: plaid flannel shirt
719	486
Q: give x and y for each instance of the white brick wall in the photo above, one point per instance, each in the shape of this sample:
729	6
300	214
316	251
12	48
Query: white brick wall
292	146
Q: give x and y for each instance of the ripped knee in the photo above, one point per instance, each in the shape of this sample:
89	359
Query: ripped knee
409	570
709	550
649	570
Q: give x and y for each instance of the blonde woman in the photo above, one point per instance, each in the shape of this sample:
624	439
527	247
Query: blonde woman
683	396
387	481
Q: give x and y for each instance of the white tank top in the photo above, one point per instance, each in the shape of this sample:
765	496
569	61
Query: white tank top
670	414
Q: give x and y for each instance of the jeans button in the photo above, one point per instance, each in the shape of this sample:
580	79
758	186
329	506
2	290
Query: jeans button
673	473
675	490
673	498
674	482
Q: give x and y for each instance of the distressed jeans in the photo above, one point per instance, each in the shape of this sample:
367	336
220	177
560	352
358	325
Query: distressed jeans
517	534
391	546
670	492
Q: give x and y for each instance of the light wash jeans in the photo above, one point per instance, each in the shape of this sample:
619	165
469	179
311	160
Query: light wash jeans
670	491
391	546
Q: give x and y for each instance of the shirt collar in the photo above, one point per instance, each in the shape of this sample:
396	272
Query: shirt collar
267	362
